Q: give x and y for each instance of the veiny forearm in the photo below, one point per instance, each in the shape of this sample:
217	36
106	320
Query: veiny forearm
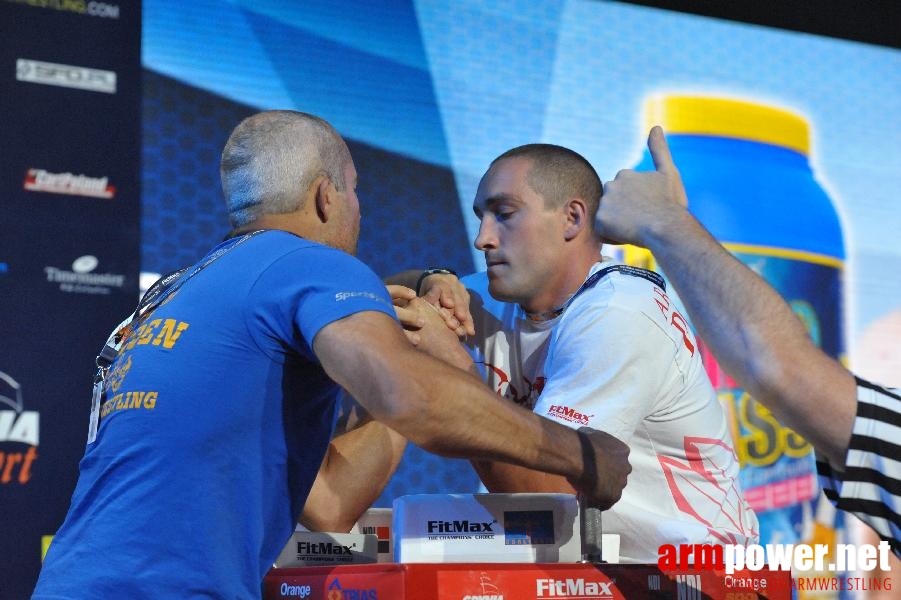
437	406
356	468
755	335
460	417
506	478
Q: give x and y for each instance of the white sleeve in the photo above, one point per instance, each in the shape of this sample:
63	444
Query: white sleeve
605	369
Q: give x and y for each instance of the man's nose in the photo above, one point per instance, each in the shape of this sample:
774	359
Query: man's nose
486	238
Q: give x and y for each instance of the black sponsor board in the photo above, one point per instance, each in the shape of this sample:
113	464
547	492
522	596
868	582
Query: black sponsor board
69	247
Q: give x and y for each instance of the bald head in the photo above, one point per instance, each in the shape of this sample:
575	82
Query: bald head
558	174
272	158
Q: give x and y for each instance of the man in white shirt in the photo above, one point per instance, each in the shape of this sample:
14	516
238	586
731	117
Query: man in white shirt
582	340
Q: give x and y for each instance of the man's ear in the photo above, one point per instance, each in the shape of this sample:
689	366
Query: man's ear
576	215
323	198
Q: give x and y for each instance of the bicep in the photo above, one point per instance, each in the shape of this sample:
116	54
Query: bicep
360	352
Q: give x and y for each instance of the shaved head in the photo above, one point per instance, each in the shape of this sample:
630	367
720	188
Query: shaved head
272	158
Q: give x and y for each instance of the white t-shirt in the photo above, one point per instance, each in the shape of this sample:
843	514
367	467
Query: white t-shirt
622	359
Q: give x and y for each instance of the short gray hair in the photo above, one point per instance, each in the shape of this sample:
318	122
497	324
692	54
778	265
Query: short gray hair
272	158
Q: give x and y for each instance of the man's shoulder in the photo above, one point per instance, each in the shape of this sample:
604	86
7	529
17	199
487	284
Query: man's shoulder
278	241
278	246
615	284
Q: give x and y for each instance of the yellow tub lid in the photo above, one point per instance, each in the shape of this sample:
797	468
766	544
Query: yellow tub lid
726	117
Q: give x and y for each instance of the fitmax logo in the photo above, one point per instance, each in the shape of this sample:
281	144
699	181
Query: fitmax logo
464	526
573	588
568	414
320	548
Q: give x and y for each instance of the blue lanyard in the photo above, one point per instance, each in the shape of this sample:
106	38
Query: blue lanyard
164	287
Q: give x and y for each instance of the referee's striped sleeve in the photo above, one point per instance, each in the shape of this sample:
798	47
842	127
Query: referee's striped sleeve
870	484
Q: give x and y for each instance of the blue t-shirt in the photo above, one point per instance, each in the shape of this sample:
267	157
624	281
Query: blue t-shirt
216	419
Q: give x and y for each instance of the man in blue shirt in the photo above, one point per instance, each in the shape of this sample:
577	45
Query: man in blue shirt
218	408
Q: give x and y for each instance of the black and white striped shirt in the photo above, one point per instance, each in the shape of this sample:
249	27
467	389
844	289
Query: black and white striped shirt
870	485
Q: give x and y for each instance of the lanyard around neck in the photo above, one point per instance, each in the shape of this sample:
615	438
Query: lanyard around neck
591	281
163	288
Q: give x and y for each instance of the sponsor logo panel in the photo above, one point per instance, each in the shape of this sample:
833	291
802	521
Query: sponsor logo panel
19	434
336	591
81	277
383	534
566	413
488	590
41	180
462	529
570	588
526	527
325	552
103	10
555	582
68	76
568	584
689	586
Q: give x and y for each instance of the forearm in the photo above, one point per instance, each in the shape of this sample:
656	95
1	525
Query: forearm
755	335
405	278
454	402
356	468
442	289
502	477
507	478
437	406
450	412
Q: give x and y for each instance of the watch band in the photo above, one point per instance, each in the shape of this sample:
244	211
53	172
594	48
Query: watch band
433	271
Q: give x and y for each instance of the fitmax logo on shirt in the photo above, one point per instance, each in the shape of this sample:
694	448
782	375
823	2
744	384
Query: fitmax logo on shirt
568	414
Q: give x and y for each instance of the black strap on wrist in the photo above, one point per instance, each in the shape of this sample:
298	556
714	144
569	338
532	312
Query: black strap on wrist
589	464
432	271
